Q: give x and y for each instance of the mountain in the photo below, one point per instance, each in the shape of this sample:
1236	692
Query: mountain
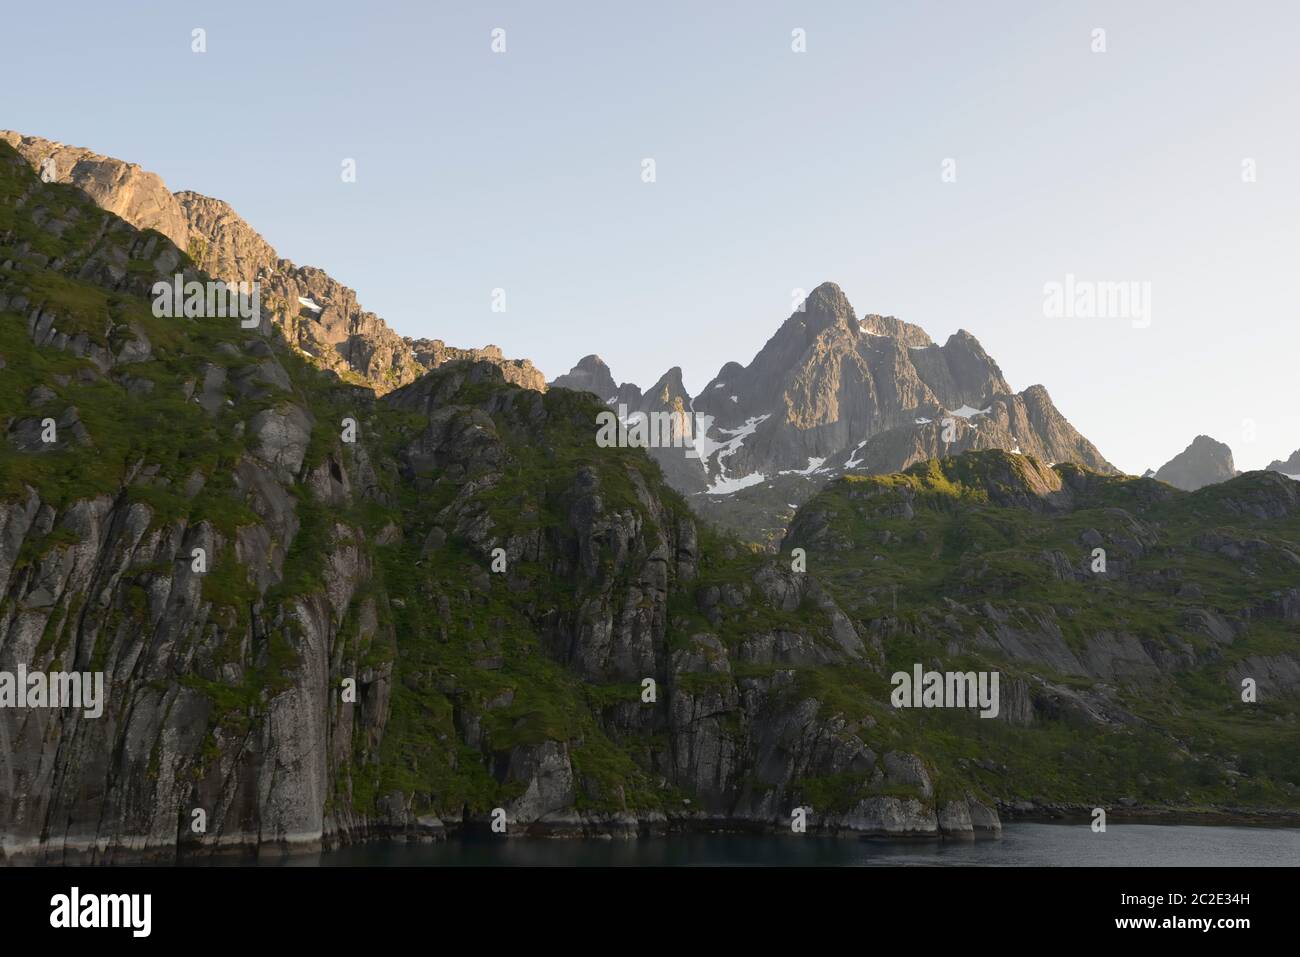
324	615
1202	463
992	557
348	664
830	394
319	315
1290	467
432	353
592	375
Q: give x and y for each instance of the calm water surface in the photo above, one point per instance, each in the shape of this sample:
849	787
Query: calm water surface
1021	844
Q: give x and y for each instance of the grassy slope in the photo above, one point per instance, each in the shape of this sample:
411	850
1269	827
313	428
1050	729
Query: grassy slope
959	545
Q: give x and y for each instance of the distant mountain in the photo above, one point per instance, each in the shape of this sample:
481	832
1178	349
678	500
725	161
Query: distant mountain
318	314
1291	467
592	375
432	353
1204	462
831	394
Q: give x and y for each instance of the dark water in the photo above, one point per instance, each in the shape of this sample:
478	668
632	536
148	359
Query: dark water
1020	845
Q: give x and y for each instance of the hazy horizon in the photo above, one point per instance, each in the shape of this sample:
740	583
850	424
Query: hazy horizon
775	171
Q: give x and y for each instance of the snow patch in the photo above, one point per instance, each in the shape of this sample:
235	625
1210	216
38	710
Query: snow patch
724	485
968	412
705	447
813	465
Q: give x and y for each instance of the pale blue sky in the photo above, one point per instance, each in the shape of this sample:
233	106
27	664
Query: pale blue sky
775	170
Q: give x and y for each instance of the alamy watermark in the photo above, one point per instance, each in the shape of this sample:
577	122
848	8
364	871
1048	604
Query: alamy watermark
946	689
650	430
59	689
208	300
1087	299
129	911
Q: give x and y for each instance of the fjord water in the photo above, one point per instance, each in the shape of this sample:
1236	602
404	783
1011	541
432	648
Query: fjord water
1022	844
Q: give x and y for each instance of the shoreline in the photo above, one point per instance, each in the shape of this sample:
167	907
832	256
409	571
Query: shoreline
659	827
1148	814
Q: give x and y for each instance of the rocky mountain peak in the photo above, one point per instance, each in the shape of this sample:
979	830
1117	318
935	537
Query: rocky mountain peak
669	387
590	374
826	307
1290	467
1204	462
829	394
972	368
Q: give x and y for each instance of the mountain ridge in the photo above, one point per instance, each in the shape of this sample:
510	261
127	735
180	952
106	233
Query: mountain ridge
322	316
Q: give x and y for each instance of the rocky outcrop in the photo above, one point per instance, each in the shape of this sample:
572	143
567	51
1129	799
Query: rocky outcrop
318	315
432	353
1290	467
1204	462
124	189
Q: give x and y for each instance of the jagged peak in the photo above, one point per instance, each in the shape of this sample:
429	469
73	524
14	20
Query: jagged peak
827	302
1205	461
1291	465
669	381
964	337
1037	393
828	290
729	370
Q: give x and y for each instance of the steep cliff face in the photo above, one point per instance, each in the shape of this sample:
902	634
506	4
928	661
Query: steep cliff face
158	536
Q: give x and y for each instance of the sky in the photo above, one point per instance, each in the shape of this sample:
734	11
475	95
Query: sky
774	170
